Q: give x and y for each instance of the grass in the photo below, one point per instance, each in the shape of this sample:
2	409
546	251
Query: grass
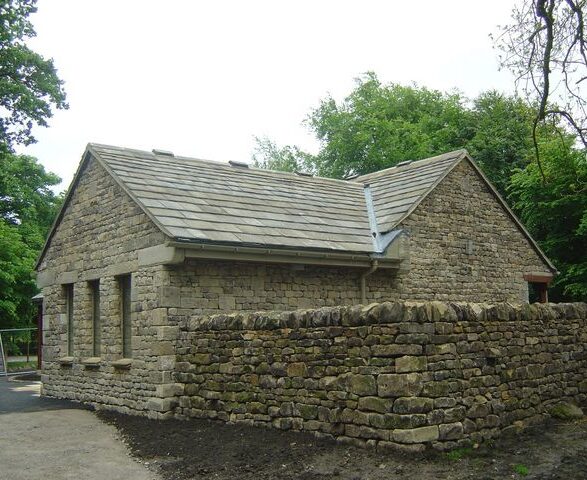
458	453
521	469
21	366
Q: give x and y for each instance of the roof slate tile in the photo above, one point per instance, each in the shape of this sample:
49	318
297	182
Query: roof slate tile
202	200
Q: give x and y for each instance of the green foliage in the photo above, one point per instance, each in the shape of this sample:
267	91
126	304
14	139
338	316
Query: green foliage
286	159
16	283
556	213
27	208
21	366
29	90
502	136
25	192
377	126
458	453
521	469
29	85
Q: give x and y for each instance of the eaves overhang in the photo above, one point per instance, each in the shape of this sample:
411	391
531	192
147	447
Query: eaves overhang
176	251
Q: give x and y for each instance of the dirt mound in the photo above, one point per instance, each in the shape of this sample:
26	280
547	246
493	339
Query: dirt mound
201	449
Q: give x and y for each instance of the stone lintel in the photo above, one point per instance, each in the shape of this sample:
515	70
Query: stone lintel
161	255
67	277
538	277
46	278
123	268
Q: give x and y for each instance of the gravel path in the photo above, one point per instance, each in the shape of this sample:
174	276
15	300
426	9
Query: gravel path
55	440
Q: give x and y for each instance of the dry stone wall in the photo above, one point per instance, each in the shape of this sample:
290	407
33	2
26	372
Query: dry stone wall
390	375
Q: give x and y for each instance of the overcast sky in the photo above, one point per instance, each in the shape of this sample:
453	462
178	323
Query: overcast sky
201	78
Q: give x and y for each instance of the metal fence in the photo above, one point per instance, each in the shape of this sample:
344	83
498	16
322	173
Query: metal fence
19	349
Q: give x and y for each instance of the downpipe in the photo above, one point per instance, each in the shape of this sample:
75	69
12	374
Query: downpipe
372	269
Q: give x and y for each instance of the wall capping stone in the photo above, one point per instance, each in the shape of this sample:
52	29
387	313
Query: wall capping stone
384	313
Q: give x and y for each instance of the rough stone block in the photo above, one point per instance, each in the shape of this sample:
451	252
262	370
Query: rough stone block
399	385
169	390
161	404
162	348
167	332
450	431
566	411
297	369
416	435
363	385
411	364
413	405
375	404
169	296
395	350
307	412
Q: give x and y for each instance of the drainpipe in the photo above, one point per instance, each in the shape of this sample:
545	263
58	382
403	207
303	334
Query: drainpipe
374	266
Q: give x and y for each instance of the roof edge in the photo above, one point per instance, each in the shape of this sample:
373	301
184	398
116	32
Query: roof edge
513	216
72	186
465	156
367	177
125	189
86	156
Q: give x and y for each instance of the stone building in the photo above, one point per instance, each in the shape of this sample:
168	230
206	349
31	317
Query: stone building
147	240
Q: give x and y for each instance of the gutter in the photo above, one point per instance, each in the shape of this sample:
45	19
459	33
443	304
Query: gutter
175	252
374	267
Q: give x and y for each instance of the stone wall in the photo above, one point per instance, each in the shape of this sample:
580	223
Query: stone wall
98	238
462	209
102	231
391	375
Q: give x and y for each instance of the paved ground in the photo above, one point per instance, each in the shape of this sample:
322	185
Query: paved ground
21	358
54	440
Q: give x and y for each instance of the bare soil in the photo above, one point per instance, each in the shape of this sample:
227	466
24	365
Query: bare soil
202	449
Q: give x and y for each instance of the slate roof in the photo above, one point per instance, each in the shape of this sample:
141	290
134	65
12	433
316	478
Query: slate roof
207	201
398	190
202	201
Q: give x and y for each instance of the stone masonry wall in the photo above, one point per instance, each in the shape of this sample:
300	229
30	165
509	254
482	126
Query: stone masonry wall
98	238
390	375
461	209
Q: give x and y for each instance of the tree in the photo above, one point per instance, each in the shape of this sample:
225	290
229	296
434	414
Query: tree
29	90
27	208
286	159
556	212
377	126
502	136
29	85
26	197
545	47
17	285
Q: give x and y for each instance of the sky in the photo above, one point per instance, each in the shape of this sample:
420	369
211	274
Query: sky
202	78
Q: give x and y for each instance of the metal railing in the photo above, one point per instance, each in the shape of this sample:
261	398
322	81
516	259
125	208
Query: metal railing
18	345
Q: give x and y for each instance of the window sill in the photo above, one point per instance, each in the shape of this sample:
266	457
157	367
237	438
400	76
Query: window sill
92	362
66	361
122	364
